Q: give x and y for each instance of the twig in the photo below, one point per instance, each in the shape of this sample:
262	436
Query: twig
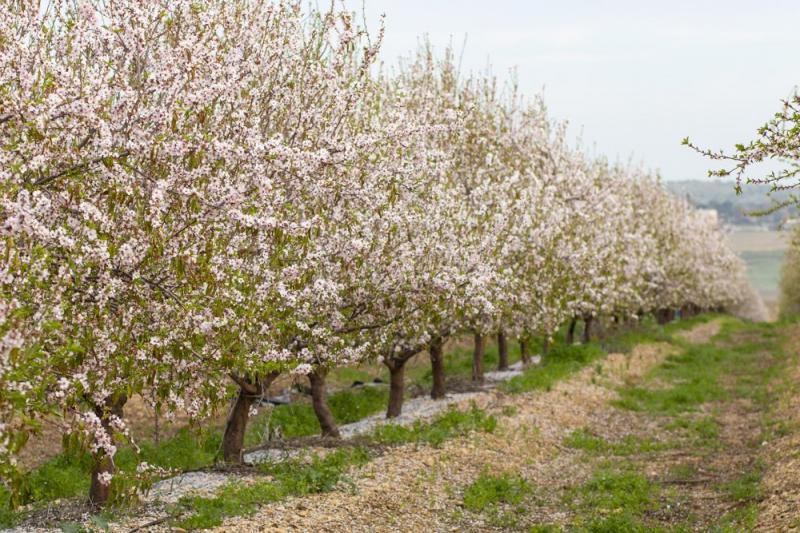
155	522
688	481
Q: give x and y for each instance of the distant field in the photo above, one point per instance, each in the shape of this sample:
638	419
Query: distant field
758	240
763	252
763	270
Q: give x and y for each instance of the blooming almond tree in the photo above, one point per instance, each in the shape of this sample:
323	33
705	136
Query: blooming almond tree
199	195
165	165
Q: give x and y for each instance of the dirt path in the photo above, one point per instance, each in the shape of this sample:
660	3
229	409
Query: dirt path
779	509
421	489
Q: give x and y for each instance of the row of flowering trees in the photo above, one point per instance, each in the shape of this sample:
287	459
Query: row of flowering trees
197	196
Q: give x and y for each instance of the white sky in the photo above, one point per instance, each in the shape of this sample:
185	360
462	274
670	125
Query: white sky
632	77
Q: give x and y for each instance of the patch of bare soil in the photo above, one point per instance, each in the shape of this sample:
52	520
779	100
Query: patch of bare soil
699	475
780	508
701	333
696	475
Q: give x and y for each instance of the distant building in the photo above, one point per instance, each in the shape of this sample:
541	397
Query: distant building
710	214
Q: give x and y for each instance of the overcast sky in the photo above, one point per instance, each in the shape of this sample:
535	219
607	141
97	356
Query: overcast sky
632	77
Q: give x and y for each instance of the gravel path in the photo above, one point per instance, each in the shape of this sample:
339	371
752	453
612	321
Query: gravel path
419	408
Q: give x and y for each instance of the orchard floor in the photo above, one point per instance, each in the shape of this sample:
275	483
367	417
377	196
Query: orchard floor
698	430
695	435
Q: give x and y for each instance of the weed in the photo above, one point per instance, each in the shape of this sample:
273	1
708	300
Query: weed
290	478
562	361
584	439
745	487
509	410
453	423
704	430
488	490
616	498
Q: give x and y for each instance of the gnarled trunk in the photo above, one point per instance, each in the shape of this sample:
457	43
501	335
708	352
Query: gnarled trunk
663	316
523	353
319	400
477	358
396	363
396	388
587	328
571	330
236	425
99	489
502	351
437	368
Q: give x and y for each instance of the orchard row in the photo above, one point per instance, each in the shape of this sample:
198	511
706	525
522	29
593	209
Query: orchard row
197	196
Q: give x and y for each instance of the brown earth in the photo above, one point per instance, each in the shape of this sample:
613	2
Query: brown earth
421	489
779	509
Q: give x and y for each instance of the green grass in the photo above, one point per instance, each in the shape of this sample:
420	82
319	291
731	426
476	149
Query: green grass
616	498
298	419
563	359
740	364
67	474
745	488
291	478
695	378
186	450
322	474
453	423
489	490
498	498
559	363
703	430
584	439
614	487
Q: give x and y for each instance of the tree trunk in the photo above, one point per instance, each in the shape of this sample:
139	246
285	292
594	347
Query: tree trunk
100	492
502	351
545	346
477	358
396	387
571	331
437	368
587	328
319	400
236	425
663	316
523	353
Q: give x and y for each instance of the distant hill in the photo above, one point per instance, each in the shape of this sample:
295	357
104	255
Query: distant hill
732	208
